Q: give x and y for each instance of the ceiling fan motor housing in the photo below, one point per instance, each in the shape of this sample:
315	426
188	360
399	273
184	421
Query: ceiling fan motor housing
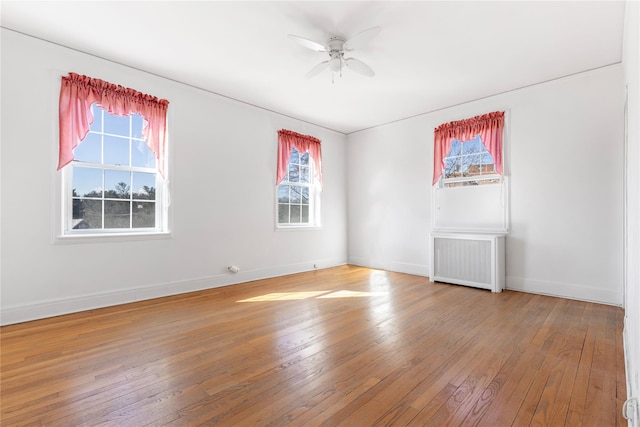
335	46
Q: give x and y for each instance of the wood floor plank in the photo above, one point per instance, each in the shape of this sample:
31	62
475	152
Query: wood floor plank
554	402
578	395
343	346
492	407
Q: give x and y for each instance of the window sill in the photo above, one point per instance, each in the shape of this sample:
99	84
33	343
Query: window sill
298	227
111	237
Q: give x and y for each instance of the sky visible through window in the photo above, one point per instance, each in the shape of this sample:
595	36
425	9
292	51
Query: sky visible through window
294	192
118	133
465	157
114	176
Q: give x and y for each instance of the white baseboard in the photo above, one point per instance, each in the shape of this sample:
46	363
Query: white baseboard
564	290
56	307
73	304
399	267
630	339
556	289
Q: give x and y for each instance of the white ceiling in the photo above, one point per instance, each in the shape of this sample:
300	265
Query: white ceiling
429	55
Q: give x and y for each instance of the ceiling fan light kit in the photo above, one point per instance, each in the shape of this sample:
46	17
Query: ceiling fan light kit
336	47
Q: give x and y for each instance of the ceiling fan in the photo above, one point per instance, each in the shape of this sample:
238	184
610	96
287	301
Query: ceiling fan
336	48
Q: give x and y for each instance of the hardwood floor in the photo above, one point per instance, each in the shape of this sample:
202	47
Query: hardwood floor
342	346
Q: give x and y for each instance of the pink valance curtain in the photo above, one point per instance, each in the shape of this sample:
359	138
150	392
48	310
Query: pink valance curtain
488	126
77	93
288	139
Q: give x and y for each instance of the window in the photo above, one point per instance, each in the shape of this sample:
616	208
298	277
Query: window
469	163
298	193
114	181
112	157
468	152
298	180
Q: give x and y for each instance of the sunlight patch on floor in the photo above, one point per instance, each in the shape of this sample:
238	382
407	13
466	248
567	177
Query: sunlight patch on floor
288	296
284	296
351	294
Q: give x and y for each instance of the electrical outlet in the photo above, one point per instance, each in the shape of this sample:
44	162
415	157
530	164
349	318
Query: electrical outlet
315	265
631	412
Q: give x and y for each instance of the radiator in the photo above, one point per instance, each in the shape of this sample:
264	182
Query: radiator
469	259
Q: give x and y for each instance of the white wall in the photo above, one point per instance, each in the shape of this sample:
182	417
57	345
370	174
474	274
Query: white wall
389	187
222	173
564	152
631	59
565	157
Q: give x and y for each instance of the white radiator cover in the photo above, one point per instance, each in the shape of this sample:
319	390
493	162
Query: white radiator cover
476	260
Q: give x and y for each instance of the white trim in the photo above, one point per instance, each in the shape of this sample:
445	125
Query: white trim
399	267
111	237
315	205
505	221
504	187
60	306
634	420
297	227
555	289
475	178
407	268
565	290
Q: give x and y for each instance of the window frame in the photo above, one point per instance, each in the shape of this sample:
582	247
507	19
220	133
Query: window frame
495	177
63	193
315	191
441	196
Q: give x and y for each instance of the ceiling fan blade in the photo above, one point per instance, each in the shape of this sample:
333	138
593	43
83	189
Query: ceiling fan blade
317	69
362	39
309	44
359	67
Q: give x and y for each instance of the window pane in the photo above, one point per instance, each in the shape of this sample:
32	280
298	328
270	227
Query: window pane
465	162
87	214
89	149
106	192
455	148
117	184
295	194
116	214
283	193
295	213
116	125
116	151
86	182
294	157
141	155
304	174
294	200
474	162
487	159
283	214
472	146
488	168
294	173
144	186
470	160
453	167
144	214
96	126
137	123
